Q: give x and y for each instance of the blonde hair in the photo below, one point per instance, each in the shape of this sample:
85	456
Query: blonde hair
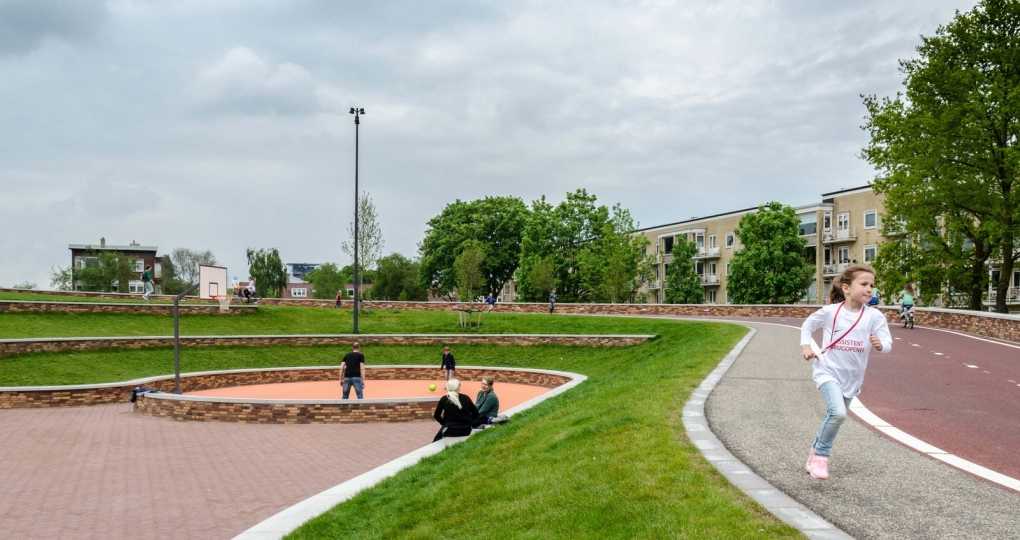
453	392
846	278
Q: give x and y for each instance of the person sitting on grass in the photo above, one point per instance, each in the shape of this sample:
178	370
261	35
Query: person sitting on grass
487	403
455	412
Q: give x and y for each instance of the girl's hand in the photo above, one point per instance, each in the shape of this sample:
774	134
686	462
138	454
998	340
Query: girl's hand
807	352
875	342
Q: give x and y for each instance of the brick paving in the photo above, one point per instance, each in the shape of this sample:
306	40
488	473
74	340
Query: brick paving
106	472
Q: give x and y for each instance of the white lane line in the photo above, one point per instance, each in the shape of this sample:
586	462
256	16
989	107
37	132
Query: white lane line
915	344
971	366
862	412
986	371
938	354
952	460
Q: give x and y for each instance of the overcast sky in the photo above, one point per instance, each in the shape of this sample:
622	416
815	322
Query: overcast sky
224	125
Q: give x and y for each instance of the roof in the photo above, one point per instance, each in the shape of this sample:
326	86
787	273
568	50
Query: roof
847	190
798	209
110	247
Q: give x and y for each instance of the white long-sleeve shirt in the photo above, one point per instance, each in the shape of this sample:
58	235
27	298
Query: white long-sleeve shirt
845	362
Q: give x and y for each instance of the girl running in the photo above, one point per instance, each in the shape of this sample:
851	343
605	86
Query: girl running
850	329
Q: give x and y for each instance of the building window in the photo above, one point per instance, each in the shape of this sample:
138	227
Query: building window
699	267
667	245
843	222
139	265
1016	279
808	225
710	296
350	293
699	240
712	242
136	287
827	222
844	255
297	292
870	219
727	269
870	252
730	239
712	268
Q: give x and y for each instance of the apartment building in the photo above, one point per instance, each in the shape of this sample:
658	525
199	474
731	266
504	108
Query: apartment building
87	255
842	229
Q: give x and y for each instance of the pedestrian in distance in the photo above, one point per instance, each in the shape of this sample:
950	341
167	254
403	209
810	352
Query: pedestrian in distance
339	298
906	299
448	364
455	412
147	283
850	330
351	372
552	301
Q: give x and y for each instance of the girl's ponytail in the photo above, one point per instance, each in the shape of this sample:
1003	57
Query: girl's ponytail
836	293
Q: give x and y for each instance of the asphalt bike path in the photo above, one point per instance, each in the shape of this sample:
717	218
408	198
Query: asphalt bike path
766	411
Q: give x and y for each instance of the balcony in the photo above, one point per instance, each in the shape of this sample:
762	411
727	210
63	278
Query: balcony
707	253
1012	296
838	237
810	240
709	279
654	285
834	269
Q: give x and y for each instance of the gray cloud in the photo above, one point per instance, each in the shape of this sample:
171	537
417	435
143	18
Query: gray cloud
25	24
238	136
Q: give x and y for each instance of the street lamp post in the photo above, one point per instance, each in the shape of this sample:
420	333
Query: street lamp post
357	112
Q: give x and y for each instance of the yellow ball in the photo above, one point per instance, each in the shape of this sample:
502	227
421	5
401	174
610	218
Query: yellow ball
432	388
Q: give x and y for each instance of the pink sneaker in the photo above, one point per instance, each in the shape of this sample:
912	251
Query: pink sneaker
819	469
810	460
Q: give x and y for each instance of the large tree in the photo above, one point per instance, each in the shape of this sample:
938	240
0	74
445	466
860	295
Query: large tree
612	266
326	281
186	262
949	145
574	234
268	270
111	272
396	278
496	222
60	278
771	267
683	286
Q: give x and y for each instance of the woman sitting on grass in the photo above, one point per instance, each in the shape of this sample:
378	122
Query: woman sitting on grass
455	412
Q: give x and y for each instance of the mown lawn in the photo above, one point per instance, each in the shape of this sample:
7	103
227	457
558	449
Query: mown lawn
608	459
300	320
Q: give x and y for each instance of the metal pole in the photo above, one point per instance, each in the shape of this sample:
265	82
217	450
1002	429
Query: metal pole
177	344
357	273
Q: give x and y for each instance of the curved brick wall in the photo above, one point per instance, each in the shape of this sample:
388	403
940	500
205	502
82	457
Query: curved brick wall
40	306
205	409
9	347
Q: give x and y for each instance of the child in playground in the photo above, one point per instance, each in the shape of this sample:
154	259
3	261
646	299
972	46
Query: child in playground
850	329
448	364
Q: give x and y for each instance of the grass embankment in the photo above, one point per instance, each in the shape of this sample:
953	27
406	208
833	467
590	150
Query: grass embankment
608	459
298	320
7	295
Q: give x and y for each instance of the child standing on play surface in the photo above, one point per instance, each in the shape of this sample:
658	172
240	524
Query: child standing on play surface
850	329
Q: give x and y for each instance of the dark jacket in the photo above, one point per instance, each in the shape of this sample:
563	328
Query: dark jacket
456	420
487	403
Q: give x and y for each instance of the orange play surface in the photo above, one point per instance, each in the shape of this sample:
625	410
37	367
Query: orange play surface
510	394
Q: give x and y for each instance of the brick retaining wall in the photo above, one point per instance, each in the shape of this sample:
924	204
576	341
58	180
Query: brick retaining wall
204	409
41	306
108	295
9	347
255	411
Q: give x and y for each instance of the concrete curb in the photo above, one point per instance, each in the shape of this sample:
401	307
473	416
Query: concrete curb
740	475
289	519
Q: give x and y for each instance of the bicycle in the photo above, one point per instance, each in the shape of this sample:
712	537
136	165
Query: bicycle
907	316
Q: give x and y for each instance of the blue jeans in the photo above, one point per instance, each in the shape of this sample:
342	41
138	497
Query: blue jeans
835	414
359	387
